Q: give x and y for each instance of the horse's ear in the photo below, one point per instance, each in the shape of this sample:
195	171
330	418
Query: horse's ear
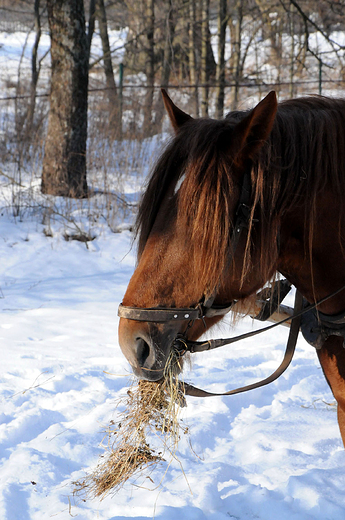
177	117
256	127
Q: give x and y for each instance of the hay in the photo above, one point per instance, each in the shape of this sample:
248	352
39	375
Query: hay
150	408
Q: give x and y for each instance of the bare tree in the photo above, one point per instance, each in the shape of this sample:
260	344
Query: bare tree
34	70
101	16
167	64
193	73
205	35
220	77
236	21
64	164
149	29
91	25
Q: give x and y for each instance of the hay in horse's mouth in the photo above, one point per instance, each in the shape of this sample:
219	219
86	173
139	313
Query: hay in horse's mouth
150	407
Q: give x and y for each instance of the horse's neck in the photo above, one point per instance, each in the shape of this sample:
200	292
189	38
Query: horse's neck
320	270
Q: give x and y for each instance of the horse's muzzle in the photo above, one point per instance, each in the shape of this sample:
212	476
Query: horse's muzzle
150	364
146	347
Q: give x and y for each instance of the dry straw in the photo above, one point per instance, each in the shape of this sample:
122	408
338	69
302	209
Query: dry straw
150	408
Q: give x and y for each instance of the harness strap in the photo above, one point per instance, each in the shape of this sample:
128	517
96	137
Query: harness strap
316	327
332	320
289	352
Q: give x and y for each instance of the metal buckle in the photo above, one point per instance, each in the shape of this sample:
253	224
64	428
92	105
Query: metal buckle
180	345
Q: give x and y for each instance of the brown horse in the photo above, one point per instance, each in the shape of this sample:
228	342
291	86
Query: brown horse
293	157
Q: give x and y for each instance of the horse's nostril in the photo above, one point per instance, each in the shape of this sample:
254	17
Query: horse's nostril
143	351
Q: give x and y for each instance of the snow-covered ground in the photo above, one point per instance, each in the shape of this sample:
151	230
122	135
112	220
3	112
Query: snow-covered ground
271	453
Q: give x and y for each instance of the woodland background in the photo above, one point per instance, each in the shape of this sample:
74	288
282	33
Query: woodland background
71	105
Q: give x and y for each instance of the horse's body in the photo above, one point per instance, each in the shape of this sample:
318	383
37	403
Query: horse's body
294	154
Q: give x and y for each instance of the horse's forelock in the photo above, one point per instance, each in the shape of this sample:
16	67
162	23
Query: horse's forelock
204	204
163	179
193	146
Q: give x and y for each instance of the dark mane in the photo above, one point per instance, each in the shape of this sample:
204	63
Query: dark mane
302	157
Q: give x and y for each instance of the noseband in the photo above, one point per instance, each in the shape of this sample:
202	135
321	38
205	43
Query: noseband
164	315
181	344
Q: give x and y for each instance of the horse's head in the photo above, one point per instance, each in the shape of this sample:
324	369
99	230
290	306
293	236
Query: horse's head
189	249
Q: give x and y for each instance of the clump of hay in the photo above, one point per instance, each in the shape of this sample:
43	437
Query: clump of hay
150	408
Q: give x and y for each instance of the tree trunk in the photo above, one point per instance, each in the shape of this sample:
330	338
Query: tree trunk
168	44
292	52
193	73
205	35
64	163
34	72
236	51
272	24
149	66
108	66
170	22
91	26
220	72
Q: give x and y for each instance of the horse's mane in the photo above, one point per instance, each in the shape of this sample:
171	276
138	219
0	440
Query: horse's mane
304	155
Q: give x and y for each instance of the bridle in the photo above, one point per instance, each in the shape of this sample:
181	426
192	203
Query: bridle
181	345
208	309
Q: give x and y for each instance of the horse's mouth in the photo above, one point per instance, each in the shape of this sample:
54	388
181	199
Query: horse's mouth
150	349
148	374
172	367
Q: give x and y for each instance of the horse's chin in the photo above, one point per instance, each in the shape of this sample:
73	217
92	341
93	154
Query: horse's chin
147	374
174	368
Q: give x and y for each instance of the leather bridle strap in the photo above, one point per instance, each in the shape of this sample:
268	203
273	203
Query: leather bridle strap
182	344
289	352
164	314
160	315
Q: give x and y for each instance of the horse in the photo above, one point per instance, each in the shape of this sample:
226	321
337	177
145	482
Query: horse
283	166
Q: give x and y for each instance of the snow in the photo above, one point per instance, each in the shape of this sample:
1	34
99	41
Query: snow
271	453
15	56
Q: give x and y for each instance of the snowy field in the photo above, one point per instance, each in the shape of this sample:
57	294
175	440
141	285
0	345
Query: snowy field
271	453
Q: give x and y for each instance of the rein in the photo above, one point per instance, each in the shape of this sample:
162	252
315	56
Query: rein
289	352
181	344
